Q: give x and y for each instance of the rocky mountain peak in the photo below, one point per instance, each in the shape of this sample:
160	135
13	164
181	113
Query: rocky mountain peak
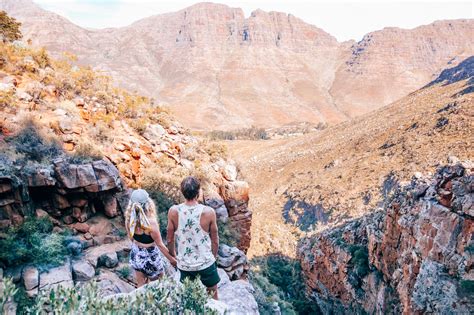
218	69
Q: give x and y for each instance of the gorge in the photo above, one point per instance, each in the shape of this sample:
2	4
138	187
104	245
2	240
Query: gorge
371	214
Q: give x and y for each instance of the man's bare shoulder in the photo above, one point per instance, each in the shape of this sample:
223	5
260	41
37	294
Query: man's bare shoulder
208	210
173	210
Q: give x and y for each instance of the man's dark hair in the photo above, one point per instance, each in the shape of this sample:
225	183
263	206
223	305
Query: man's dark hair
190	187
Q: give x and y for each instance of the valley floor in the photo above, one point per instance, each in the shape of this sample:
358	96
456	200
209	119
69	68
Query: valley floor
270	234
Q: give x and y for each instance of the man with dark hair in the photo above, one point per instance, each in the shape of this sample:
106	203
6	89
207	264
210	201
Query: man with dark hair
192	227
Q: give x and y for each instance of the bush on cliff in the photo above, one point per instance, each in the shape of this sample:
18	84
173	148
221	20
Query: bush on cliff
360	260
9	27
29	145
227	235
33	242
279	279
162	297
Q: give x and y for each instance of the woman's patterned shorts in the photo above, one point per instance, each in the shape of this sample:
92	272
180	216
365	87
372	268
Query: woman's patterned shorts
147	260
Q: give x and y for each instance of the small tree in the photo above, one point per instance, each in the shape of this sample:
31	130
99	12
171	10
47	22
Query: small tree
9	28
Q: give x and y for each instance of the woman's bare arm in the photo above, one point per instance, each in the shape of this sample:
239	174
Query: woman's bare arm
156	235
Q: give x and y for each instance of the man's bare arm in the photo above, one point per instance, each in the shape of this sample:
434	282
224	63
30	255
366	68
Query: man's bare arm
214	233
170	232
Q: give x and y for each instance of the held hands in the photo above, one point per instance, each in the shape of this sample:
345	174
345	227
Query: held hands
173	262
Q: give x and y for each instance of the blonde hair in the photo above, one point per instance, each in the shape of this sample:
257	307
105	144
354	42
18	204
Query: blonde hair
149	209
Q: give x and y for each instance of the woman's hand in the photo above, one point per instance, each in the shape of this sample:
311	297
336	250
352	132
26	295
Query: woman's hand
173	262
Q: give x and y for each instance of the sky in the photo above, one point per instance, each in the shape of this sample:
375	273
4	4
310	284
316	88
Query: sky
344	19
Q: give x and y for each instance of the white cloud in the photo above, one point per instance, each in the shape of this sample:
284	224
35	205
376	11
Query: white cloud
345	19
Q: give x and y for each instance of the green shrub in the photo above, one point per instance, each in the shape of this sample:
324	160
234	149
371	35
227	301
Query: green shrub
163	186
162	202
86	152
42	58
252	133
7	99
8	292
359	260
165	297
139	125
9	27
124	272
267	294
23	301
32	146
227	235
216	151
280	280
469	248
33	243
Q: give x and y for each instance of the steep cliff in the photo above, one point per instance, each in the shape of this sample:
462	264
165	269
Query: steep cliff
324	178
413	256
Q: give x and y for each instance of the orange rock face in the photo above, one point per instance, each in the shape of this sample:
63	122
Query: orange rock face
236	198
415	255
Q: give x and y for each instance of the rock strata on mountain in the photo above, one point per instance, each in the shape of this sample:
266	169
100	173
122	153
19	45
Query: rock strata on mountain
414	256
218	69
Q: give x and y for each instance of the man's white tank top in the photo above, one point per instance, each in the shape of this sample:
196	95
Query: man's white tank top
193	243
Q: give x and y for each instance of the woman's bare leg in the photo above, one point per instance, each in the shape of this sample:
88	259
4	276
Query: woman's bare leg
141	278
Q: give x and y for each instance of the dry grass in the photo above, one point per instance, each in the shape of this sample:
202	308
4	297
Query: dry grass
343	167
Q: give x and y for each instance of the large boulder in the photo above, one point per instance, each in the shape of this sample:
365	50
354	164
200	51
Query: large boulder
109	259
238	297
230	172
109	283
110	206
58	276
108	177
41	178
233	261
218	205
225	280
82	271
93	177
92	254
30	278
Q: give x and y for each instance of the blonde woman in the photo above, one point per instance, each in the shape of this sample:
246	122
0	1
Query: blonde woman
144	232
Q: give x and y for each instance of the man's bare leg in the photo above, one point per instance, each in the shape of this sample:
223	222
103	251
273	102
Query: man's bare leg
213	292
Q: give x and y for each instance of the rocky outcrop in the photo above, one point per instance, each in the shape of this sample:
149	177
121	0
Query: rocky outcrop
414	256
233	261
65	191
235	297
99	263
230	199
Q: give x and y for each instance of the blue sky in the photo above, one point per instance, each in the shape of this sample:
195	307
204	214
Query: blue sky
345	19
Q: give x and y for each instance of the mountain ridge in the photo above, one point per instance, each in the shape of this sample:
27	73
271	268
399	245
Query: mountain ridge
218	69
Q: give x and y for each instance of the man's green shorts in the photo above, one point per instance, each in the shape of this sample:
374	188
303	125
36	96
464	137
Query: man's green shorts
209	276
